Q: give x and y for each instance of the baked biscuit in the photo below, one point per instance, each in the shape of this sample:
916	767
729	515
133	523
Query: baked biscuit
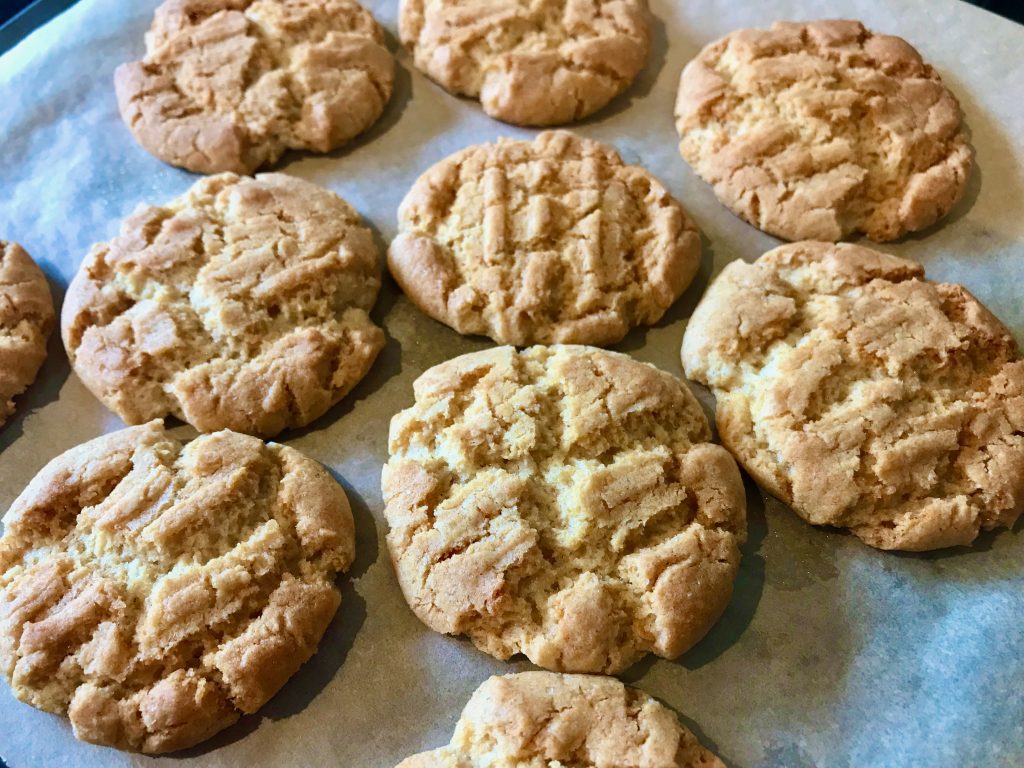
863	395
229	85
823	130
562	502
529	62
26	319
153	593
240	305
546	719
554	240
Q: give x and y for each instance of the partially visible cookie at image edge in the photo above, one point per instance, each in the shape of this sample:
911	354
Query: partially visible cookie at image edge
544	718
153	592
242	304
230	85
26	320
823	130
554	240
529	62
864	395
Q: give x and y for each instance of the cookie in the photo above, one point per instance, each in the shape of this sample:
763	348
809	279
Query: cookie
823	130
564	503
543	718
529	62
863	395
154	592
26	319
229	85
240	305
554	240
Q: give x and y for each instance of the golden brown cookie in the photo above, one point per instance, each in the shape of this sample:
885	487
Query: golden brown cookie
529	62
536	719
823	130
26	319
240	305
554	240
154	592
562	502
863	395
229	85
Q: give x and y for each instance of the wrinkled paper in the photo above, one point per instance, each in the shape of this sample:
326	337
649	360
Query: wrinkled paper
830	654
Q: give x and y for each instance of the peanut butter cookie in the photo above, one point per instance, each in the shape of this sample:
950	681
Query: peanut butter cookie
565	503
823	130
863	395
529	62
26	320
554	240
547	719
240	305
152	593
229	85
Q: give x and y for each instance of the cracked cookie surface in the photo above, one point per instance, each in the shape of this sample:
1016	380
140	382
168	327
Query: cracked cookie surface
562	502
863	395
229	85
243	304
823	130
554	240
26	320
153	592
535	719
529	62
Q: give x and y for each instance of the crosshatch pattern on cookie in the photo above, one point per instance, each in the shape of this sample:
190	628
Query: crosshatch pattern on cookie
530	62
229	85
863	395
554	240
241	305
154	592
564	503
823	130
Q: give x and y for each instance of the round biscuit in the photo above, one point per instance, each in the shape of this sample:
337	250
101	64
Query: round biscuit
529	62
863	395
822	130
554	240
243	304
562	502
153	593
229	85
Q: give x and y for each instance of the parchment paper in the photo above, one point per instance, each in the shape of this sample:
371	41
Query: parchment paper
830	654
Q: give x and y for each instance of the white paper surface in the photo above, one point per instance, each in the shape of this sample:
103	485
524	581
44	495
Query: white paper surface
831	653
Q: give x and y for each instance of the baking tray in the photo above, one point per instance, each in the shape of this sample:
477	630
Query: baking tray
830	653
